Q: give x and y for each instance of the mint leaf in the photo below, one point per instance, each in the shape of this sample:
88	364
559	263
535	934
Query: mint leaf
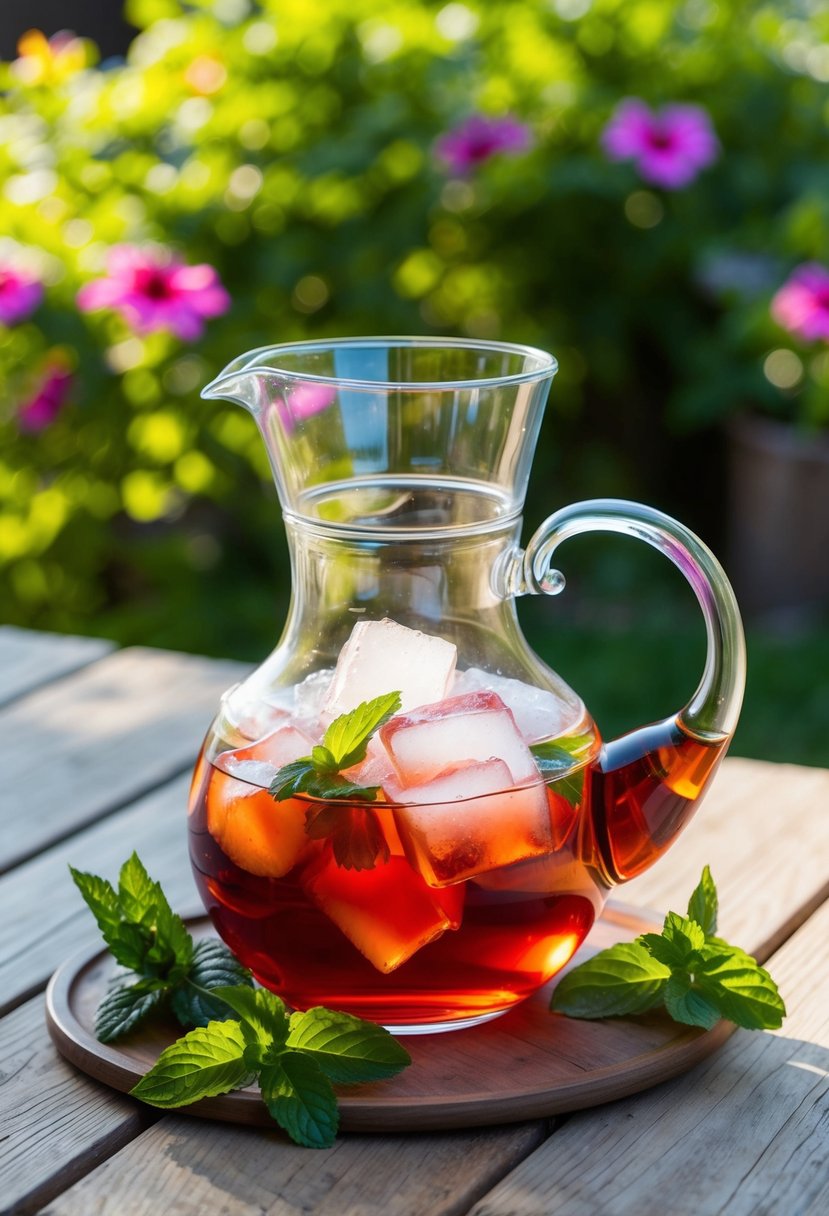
347	737
124	1007
138	895
300	1098
100	898
703	904
623	979
263	1011
213	966
346	1048
355	833
302	777
687	1004
209	1060
678	943
740	988
698	977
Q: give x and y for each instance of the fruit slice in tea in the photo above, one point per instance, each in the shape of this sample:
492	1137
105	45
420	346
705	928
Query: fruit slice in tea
387	912
261	836
469	821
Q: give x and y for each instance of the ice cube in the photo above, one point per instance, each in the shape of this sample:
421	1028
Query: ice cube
388	913
258	762
538	713
476	726
310	693
381	656
254	718
260	835
469	821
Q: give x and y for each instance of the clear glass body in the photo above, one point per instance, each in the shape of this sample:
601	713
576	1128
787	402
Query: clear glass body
443	899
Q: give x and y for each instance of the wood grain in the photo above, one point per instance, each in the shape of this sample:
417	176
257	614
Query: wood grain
100	738
44	919
56	1123
29	659
184	1168
743	1133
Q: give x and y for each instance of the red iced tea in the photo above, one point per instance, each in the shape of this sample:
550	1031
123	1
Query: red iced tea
380	942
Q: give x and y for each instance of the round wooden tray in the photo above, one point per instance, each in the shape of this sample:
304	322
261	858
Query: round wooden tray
526	1064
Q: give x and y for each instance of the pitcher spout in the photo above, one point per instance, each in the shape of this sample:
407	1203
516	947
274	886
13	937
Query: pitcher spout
237	382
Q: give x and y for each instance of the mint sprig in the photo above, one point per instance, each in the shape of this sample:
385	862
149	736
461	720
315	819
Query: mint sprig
355	833
696	976
295	1060
344	744
147	938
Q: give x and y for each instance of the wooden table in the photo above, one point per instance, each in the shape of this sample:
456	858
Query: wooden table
96	748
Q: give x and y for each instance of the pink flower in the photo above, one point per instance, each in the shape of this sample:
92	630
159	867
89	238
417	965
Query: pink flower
480	137
802	303
156	291
19	295
42	409
669	146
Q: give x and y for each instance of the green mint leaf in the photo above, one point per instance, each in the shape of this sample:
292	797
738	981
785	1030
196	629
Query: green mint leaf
100	898
125	1006
209	1060
300	1098
213	966
678	944
703	904
262	1011
138	895
347	1049
347	737
621	980
323	760
355	833
739	987
687	1004
292	779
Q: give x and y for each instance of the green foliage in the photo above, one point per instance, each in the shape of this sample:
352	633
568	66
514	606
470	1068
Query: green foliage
292	147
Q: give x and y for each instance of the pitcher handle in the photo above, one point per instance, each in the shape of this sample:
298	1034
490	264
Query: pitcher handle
713	710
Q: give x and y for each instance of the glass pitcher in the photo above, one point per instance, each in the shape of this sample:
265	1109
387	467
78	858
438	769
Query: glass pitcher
487	821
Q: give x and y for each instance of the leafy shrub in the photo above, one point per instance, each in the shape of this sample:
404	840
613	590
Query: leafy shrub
301	151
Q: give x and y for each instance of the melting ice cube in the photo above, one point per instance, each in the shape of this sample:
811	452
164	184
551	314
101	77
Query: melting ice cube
310	693
388	913
469	821
476	726
381	656
538	713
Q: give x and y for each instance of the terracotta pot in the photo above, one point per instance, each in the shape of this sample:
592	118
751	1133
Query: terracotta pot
779	516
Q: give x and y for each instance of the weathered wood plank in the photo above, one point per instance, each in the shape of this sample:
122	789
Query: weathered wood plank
57	1124
764	829
44	919
186	1168
98	739
29	659
743	1133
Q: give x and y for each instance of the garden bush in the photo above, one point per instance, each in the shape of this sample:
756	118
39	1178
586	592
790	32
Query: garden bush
282	170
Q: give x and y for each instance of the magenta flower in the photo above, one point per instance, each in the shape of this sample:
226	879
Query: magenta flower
802	303
42	409
19	295
478	138
154	291
669	146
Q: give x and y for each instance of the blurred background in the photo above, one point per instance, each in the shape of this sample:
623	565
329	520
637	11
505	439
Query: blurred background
640	186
